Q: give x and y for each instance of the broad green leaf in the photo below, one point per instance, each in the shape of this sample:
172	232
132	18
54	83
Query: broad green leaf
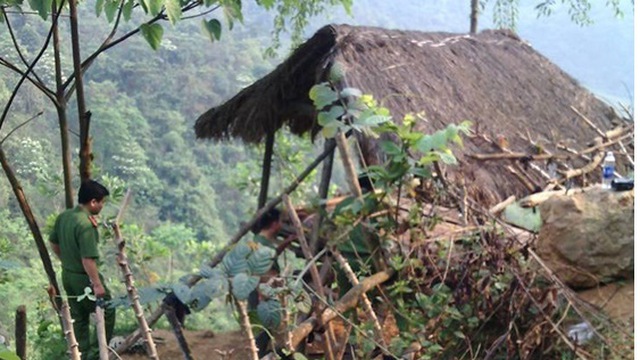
303	302
329	131
261	260
269	313
153	6
183	292
326	117
153	34
298	356
242	285
174	11
447	157
420	171
232	10
8	355
350	92
373	120
110	9
322	95
127	9
99	7
336	73
204	291
43	7
390	147
235	265
213	28
150	294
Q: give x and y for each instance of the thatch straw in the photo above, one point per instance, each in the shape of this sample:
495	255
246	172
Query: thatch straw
494	79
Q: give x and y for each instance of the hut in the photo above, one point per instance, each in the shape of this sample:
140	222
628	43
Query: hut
493	79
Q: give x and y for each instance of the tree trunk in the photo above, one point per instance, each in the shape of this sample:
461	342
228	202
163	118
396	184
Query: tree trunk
61	108
33	225
84	117
474	17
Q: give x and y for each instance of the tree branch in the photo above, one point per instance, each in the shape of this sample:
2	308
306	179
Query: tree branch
33	64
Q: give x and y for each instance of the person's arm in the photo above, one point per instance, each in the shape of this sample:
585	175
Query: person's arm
56	249
91	268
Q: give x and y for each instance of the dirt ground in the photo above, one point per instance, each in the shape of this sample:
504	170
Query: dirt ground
615	299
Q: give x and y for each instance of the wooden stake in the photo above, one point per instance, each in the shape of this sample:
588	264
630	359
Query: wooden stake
368	308
170	313
315	276
349	168
348	301
72	344
245	324
266	170
21	332
101	333
132	292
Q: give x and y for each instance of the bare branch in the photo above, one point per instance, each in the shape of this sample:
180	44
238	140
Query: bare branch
47	92
15	43
33	64
19	126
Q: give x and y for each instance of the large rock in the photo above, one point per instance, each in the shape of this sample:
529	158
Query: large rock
587	237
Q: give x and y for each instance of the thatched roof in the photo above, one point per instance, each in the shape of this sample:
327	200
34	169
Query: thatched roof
494	79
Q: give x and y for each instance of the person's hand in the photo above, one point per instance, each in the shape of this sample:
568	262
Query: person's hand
98	290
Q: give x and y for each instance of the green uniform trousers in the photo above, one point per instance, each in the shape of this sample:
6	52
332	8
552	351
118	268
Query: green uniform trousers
74	285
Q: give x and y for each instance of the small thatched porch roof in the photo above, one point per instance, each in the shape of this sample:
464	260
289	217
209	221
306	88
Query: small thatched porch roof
494	79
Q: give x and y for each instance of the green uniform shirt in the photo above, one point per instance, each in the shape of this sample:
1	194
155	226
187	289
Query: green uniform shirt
77	237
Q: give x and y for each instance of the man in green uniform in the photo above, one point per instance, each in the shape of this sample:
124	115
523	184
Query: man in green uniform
74	240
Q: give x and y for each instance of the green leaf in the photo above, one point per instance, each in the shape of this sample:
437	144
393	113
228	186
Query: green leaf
213	28
303	302
153	34
322	95
127	9
327	117
174	11
232	10
350	92
269	313
204	291
8	355
110	9
150	294
390	147
153	7
235	262
261	260
329	131
183	292
373	120
43	7
242	285
298	356
336	73
447	157
99	7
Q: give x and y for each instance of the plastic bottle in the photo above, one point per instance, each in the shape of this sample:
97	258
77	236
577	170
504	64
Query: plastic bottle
608	169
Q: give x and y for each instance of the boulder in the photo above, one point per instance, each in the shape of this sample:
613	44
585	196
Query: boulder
586	238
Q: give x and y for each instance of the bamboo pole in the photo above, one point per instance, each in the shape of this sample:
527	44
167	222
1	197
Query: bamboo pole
329	337
245	324
366	303
348	301
132	292
349	168
101	333
73	348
